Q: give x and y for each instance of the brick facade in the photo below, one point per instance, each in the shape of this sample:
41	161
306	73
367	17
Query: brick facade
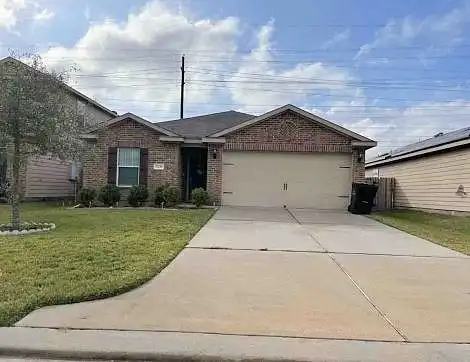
129	133
214	172
358	165
291	132
287	132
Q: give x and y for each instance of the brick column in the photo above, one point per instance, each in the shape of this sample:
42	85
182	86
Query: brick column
359	170
214	172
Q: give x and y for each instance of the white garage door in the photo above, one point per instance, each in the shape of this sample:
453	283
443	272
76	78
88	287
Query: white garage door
296	180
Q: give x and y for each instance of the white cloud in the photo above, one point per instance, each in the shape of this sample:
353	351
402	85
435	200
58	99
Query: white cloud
87	13
43	15
396	127
9	10
134	66
13	11
274	86
337	38
434	32
138	61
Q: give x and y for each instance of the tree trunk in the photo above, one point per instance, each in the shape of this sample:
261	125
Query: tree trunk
16	187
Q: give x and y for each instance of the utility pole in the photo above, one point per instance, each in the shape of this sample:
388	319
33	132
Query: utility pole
182	88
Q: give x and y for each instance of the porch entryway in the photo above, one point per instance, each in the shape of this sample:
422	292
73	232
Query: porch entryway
194	167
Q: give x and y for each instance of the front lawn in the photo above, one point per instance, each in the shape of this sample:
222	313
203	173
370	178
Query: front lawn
452	232
92	254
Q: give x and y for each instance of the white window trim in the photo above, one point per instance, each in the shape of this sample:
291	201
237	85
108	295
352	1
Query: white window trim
117	168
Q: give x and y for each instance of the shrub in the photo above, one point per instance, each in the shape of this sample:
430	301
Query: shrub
200	197
138	195
171	195
159	197
167	195
109	195
87	196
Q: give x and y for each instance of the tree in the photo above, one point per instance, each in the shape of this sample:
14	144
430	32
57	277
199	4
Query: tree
38	116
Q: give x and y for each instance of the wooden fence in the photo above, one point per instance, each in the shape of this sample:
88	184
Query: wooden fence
384	200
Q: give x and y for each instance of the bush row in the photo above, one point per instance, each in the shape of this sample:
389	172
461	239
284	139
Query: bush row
164	196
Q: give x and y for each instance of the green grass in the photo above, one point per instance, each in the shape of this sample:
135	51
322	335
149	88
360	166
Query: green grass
92	254
452	232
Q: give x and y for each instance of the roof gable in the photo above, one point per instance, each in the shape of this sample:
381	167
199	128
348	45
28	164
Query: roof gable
137	119
310	116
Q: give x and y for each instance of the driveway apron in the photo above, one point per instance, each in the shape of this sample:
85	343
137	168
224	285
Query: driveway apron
295	273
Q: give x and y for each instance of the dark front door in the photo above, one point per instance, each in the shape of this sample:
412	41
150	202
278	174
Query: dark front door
3	176
194	161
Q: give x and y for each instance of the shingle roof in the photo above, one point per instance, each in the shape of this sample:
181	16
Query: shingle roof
438	140
202	126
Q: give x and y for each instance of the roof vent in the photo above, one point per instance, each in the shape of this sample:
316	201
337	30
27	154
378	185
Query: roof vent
439	134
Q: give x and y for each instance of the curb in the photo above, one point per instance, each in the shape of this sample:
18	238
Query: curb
23	342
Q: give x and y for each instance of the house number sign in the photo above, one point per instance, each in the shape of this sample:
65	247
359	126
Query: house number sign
158	166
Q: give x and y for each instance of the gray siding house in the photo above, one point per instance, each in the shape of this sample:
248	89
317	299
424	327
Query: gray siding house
49	178
433	174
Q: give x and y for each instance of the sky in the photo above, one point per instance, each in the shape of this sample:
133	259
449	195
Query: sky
395	71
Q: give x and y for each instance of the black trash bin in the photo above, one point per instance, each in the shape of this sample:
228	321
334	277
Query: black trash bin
362	198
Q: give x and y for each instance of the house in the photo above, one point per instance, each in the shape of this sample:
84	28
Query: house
46	177
433	174
286	157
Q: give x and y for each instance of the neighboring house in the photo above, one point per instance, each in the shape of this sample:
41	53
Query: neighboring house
49	178
432	174
286	157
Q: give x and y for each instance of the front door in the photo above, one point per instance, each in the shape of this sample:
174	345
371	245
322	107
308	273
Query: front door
194	162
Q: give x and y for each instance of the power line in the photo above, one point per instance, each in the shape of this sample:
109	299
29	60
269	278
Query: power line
277	76
239	58
211	51
343	108
330	66
331	84
240	75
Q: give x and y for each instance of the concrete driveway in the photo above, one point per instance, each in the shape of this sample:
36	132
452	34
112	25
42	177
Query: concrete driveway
294	273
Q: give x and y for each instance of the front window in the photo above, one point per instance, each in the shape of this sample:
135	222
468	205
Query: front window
128	166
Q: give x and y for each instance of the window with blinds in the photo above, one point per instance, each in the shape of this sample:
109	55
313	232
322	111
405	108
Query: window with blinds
128	166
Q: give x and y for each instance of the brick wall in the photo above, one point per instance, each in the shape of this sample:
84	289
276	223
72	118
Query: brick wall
359	168
286	132
214	172
129	133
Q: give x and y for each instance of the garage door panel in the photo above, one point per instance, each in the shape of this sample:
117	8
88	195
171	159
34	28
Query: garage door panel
313	180
242	186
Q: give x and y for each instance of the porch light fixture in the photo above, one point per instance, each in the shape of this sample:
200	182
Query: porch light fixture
214	154
360	159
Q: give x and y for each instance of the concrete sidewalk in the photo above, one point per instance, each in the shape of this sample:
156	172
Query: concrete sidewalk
34	343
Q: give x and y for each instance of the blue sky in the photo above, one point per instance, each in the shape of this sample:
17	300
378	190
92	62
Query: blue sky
395	71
